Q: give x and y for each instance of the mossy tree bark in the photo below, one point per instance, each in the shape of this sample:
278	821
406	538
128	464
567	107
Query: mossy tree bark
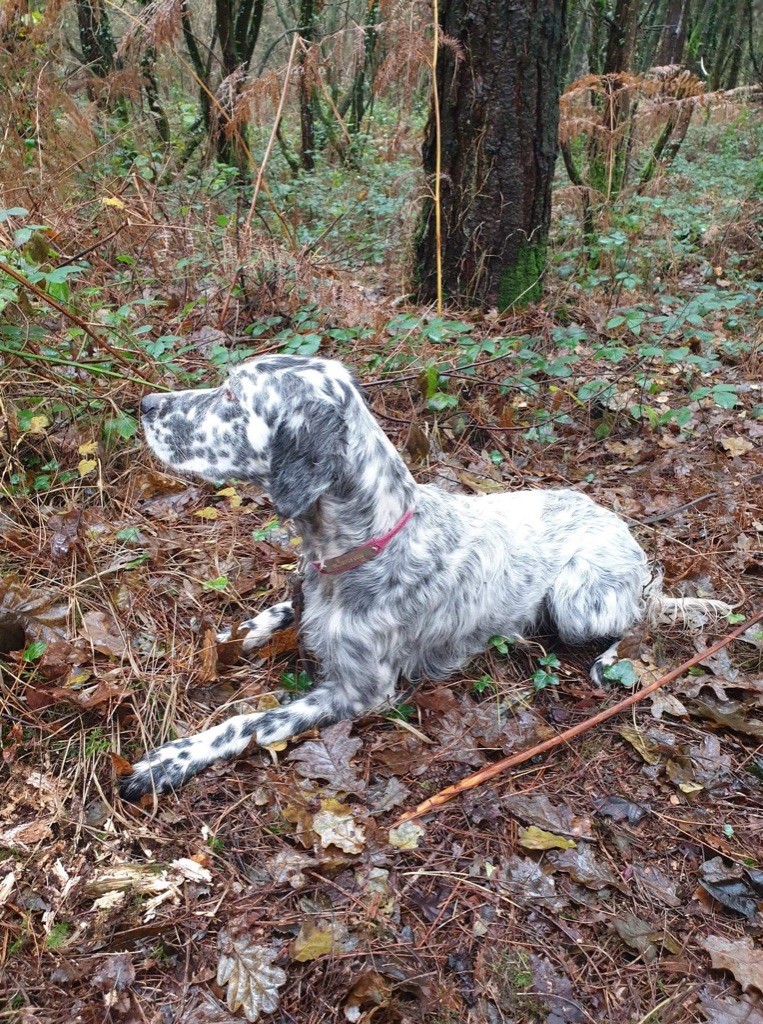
498	77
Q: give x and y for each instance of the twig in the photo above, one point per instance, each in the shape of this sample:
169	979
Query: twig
93	368
96	245
650	520
471	781
99	341
271	140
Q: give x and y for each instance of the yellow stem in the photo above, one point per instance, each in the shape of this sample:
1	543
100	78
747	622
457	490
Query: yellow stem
438	157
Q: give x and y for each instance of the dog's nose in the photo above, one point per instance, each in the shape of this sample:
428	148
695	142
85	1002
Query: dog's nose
149	404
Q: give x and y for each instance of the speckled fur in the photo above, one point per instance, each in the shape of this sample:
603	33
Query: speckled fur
462	570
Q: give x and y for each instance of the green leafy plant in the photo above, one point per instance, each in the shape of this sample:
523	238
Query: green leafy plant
623	672
544	676
57	935
266	532
296	682
502	644
402	713
219	584
483	684
34	651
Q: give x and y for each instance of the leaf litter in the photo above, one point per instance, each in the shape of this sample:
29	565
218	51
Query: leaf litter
283	889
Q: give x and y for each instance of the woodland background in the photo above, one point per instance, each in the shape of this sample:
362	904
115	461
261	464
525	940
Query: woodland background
184	184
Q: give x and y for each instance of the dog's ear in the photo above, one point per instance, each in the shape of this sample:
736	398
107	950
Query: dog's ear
305	458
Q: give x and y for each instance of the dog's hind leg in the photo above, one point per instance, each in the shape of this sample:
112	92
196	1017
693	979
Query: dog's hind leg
605	660
167	767
259	629
592	604
588	602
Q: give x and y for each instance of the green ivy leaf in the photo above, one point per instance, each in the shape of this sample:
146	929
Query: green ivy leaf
541	679
622	672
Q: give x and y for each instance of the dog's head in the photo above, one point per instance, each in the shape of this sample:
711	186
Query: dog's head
279	422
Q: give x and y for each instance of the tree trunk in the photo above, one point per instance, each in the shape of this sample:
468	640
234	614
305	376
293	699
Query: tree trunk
199	66
307	26
499	113
673	39
96	38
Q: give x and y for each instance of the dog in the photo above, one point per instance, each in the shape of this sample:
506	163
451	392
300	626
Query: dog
399	579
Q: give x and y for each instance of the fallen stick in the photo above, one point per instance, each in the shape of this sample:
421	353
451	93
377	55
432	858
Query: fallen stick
471	781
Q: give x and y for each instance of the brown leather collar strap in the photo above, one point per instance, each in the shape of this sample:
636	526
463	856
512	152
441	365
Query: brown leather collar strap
365	553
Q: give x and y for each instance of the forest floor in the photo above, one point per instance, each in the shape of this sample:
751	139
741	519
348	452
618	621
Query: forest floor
617	879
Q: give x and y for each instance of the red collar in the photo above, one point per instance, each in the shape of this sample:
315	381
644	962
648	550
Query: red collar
365	553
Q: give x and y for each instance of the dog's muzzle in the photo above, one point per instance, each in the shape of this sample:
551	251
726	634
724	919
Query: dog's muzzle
149	404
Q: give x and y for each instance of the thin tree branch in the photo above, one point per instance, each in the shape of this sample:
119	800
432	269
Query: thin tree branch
471	781
99	341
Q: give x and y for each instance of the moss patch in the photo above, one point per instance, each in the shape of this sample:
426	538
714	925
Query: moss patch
520	283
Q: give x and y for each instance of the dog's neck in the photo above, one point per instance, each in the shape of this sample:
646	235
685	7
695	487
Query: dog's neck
370	497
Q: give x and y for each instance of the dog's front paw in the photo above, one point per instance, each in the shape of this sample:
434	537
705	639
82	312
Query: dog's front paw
251	633
161	771
225	635
598	670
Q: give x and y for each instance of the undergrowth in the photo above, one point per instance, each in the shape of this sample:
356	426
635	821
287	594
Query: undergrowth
636	379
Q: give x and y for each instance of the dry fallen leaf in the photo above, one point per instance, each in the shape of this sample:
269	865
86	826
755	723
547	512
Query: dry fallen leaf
285	868
730	1011
369	990
406	836
247	969
526	882
736	446
115	976
644	937
21	837
659	886
731	715
205	660
534	838
639	742
104	634
335	826
666	704
314	940
584	867
285	641
30	614
740	956
539	810
328	758
554	990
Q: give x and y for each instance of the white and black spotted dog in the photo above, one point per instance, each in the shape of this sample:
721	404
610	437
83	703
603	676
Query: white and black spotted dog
400	579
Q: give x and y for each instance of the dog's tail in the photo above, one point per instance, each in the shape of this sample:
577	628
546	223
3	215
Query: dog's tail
663	610
659	609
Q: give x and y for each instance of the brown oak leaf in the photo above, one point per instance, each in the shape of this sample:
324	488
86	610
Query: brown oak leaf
740	956
328	758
